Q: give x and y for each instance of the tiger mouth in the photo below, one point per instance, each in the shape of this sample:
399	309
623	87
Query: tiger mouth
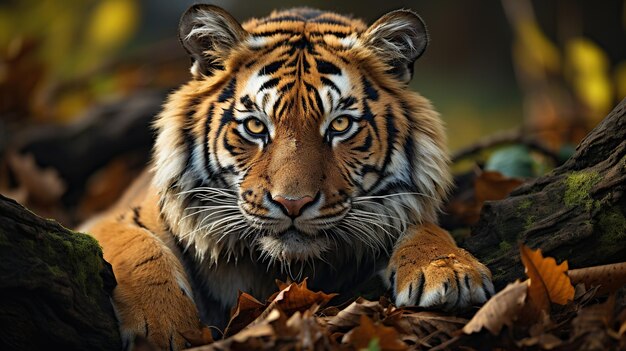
292	245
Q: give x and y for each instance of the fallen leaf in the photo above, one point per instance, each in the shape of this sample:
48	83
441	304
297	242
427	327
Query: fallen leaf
350	316
247	310
592	325
257	337
423	327
492	185
608	277
544	341
310	335
548	282
502	309
297	297
256	331
43	185
362	336
485	186
106	186
540	334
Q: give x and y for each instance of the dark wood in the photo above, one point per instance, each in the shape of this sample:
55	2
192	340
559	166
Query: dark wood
576	212
103	132
55	287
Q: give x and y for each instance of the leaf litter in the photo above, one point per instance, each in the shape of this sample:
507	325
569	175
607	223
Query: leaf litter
554	309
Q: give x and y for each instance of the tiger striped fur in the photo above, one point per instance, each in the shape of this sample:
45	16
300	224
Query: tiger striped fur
296	150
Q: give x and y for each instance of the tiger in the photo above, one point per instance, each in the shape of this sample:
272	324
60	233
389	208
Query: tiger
296	149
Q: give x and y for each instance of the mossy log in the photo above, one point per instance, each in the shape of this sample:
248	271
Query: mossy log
55	287
575	213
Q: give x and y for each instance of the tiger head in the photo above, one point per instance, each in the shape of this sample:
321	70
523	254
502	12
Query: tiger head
297	137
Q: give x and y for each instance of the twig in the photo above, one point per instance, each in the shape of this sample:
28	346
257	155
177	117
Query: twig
515	136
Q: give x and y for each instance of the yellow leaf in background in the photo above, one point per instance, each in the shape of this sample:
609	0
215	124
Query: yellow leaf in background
537	50
585	56
588	71
597	93
112	23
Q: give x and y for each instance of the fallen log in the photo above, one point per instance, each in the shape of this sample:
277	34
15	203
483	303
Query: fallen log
576	212
55	287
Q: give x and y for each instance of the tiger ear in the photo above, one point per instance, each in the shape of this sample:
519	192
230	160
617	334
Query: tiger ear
208	33
400	38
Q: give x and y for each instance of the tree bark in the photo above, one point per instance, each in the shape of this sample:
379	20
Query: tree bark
575	213
55	287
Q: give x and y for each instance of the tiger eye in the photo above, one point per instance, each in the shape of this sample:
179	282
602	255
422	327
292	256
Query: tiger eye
255	126
340	124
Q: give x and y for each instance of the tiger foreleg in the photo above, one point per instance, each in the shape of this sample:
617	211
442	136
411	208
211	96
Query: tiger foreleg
428	269
152	297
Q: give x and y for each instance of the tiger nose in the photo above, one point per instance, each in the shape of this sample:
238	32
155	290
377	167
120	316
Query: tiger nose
293	207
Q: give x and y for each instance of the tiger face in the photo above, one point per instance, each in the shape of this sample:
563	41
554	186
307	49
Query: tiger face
298	138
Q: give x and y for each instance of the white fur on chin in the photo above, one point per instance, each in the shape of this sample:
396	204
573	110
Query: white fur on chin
292	246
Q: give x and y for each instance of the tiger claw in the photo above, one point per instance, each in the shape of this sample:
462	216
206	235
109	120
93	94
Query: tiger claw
447	282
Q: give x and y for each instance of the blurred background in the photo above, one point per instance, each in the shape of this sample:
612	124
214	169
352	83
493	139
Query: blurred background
519	83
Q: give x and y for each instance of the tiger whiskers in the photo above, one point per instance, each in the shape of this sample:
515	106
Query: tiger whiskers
369	197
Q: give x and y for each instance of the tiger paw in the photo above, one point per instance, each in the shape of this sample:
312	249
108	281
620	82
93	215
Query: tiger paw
449	282
164	333
163	317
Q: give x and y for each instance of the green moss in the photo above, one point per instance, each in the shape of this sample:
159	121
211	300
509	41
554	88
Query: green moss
530	221
503	249
56	271
613	225
525	204
577	188
83	253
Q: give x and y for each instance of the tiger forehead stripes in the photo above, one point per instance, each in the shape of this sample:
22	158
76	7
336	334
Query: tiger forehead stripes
300	117
296	150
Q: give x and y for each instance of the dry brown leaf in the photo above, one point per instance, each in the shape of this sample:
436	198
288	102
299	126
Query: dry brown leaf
247	310
256	337
281	285
294	298
387	337
297	297
106	186
488	186
350	316
491	185
502	309
545	341
43	185
540	334
310	335
592	325
256	331
548	282
609	277
424	328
